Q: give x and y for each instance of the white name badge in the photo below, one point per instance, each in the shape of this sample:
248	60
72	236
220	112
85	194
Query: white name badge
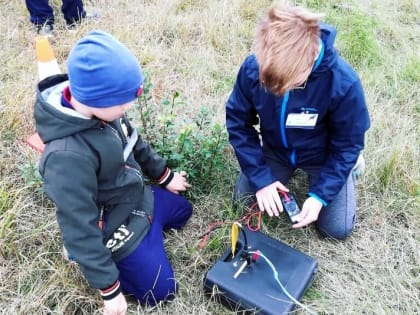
301	120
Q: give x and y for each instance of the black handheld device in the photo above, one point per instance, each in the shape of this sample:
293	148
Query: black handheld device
290	206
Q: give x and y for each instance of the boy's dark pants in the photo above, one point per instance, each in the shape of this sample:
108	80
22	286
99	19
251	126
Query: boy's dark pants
147	273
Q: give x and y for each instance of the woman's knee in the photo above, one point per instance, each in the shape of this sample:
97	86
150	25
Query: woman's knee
242	194
338	232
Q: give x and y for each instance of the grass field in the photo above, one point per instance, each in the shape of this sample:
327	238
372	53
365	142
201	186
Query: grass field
191	51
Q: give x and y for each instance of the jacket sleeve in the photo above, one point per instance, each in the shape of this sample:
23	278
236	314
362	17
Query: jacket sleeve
348	122
151	163
241	117
71	183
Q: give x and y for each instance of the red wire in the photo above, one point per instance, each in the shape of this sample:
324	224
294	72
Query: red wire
285	195
246	219
209	229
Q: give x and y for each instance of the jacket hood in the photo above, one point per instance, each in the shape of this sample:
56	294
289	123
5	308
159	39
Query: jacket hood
328	34
54	121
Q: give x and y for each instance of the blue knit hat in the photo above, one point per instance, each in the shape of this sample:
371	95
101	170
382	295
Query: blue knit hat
103	72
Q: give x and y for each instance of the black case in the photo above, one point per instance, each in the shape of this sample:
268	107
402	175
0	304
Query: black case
255	290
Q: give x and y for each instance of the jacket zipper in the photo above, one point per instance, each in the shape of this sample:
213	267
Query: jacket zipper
283	120
122	139
116	133
292	154
136	172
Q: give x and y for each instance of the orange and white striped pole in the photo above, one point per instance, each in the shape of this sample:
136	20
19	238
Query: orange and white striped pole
47	66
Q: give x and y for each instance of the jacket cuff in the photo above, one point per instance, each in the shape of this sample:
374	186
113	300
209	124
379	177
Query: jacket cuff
315	196
111	292
166	177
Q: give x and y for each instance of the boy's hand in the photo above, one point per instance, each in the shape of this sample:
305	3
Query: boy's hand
178	183
310	212
269	200
115	306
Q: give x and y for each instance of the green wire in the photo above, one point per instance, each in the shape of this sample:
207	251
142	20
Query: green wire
276	276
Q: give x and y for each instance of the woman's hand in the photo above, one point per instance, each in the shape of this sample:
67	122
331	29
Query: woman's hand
269	200
310	212
115	306
178	183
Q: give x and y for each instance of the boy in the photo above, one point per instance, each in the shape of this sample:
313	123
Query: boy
92	167
312	115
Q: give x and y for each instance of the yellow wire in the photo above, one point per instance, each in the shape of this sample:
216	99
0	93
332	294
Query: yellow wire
234	234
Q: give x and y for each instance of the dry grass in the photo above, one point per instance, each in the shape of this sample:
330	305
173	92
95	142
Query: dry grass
196	47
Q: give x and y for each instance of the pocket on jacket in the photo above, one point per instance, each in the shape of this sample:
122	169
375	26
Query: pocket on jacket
129	234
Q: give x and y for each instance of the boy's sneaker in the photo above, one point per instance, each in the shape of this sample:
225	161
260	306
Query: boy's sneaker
359	168
67	257
45	30
92	16
72	28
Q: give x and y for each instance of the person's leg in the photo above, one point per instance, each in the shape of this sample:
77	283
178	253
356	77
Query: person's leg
243	193
147	273
73	11
172	211
337	220
40	12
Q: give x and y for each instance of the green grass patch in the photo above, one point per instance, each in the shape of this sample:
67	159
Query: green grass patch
356	39
191	50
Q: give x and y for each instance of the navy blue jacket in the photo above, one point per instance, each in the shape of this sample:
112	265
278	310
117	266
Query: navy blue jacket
333	91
